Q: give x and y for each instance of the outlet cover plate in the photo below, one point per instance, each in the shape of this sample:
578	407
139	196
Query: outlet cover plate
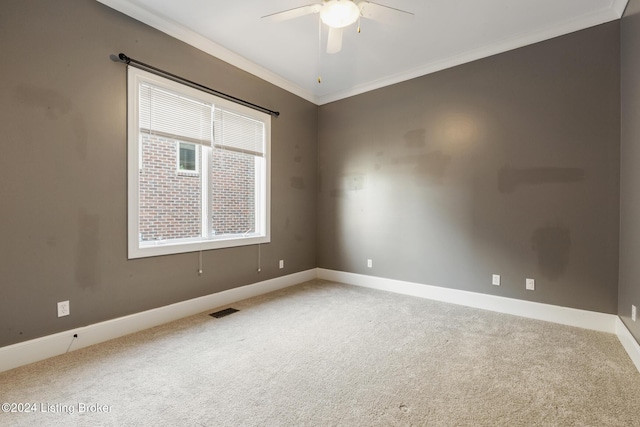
495	279
633	313
369	263
63	308
530	284
281	264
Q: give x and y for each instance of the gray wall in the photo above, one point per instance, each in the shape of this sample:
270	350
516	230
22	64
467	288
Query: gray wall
629	291
506	165
63	172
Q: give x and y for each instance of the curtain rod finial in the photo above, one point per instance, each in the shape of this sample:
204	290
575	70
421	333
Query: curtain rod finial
124	58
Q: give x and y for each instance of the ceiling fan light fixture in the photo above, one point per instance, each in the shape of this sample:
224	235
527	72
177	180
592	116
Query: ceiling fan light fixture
339	14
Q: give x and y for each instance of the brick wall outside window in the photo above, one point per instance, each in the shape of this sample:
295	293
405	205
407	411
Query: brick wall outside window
233	192
170	205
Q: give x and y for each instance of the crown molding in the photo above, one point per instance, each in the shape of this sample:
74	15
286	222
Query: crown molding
619	7
194	39
579	23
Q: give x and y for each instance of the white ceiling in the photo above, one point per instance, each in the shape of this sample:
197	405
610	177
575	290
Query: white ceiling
442	34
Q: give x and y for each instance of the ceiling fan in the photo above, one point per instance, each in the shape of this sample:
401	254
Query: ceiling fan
339	14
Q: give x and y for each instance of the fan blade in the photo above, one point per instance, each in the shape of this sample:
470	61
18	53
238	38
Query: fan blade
381	13
296	12
334	43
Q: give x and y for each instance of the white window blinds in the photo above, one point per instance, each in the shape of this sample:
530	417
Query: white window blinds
235	132
175	116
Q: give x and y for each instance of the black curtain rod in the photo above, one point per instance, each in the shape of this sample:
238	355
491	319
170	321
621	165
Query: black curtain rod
130	61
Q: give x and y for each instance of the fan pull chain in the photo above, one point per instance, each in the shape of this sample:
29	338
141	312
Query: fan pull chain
259	259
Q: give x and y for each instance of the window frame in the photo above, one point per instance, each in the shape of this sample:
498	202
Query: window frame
196	155
137	249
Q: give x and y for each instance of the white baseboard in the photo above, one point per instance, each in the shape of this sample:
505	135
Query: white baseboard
628	342
42	348
602	322
533	310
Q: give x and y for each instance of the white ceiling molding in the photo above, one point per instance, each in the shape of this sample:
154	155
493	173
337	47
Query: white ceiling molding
592	18
199	42
580	23
618	7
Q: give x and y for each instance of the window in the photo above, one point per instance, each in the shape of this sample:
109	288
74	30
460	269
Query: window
187	157
199	169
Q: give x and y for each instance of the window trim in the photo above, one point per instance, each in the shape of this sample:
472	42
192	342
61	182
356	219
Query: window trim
138	250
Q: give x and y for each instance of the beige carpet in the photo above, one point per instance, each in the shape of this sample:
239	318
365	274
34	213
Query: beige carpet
328	354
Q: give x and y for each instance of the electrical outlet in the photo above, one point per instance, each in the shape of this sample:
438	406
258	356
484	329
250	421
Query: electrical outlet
369	263
530	284
281	264
495	280
633	313
63	308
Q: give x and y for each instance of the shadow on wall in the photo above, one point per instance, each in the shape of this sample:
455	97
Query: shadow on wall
87	257
552	243
348	184
55	106
416	138
426	169
553	246
509	179
298	183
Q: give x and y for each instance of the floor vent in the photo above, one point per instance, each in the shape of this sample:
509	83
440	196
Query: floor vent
222	313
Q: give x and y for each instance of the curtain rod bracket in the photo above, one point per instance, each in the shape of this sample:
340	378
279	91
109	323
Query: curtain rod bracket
134	63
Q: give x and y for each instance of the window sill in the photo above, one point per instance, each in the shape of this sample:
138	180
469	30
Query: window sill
188	173
166	247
